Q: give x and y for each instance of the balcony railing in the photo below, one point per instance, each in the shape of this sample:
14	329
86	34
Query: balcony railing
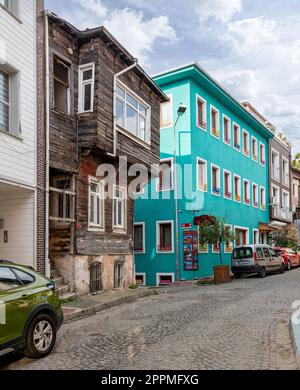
282	213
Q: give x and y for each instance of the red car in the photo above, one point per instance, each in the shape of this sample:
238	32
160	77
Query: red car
290	257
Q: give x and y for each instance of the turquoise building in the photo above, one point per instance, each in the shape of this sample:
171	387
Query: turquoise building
214	161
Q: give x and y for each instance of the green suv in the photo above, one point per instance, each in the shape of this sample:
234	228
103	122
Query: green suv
30	312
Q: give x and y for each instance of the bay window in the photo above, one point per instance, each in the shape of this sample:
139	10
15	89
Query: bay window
132	114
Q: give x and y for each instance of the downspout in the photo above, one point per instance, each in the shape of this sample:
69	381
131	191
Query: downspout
47	127
116	76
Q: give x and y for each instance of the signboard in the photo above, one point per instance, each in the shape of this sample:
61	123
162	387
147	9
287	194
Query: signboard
190	250
187	225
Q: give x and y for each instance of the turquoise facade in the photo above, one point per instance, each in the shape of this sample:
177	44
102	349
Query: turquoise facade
193	142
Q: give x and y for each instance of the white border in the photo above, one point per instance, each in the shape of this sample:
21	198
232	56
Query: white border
164	274
242	228
278	154
158	237
232	243
211	178
246	132
282	173
260	203
199	159
119	229
249	192
218	122
81	69
257	193
239	128
198	97
240	194
257	151
93	226
230	130
257	231
143	274
264	147
143	224
230	173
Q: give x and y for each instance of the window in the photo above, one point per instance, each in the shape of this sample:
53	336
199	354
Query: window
165	179
9	101
236	137
201	113
275	200
11	5
86	88
166	113
164	279
140	279
285	172
215	180
246	151
242	253
96	203
254	149
132	114
226	130
262	154
215	122
8	280
262	198
24	277
139	237
285	200
266	252
62	198
165	236
119	208
228	246
61	72
255	195
275	164
216	248
255	236
227	179
260	253
246	192
237	188
202	174
119	275
242	236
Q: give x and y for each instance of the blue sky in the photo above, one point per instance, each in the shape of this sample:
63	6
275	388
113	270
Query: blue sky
252	47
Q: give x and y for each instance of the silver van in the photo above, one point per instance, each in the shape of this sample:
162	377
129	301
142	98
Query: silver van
258	259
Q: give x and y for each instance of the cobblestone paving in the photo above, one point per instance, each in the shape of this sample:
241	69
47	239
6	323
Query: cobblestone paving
189	327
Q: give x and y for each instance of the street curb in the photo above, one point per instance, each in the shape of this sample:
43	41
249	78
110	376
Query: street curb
103	306
285	351
297	356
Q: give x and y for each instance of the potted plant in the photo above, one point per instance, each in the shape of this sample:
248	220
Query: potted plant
215	232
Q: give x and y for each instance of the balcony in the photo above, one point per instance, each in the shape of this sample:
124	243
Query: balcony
282	213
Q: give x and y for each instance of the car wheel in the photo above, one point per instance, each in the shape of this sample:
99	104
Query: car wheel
237	275
41	337
282	268
262	273
289	266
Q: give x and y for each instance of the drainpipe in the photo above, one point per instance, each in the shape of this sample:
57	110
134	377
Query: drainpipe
116	76
47	262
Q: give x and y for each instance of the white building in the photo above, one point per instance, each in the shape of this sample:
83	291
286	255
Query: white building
18	131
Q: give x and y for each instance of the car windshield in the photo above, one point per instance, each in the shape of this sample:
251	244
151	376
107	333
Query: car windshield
242	253
277	252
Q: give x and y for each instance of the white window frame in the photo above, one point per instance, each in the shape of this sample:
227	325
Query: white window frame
94	225
225	247
204	127
143	251
248	192
262	162
124	129
68	65
213	108
69	192
248	149
205	189
284	192
158	223
273	186
13	103
253	237
242	228
277	167
164	274
257	195
260	199
256	149
162	161
230	130
12	7
240	188
230	184
214	251
284	159
120	228
143	274
170	102
239	137
218	179
82	84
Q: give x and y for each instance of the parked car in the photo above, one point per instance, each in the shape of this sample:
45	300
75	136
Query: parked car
290	257
259	259
30	311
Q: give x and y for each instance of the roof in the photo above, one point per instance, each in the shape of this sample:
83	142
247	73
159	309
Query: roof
193	70
104	34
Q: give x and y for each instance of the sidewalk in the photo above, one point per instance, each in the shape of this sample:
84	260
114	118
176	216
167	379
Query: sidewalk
86	306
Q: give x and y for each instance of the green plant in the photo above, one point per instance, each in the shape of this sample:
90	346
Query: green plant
133	286
296	161
214	231
286	237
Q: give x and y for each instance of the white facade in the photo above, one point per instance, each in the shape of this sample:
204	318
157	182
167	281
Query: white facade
18	134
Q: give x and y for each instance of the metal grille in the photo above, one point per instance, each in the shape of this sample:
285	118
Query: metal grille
96	278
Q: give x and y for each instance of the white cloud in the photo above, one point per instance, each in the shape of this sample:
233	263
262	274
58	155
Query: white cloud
95	6
136	33
222	10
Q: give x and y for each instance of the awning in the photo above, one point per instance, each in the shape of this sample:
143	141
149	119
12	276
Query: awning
265	227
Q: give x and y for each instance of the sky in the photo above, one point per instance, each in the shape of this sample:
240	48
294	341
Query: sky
252	47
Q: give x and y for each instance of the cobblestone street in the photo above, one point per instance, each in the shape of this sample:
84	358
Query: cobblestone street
229	326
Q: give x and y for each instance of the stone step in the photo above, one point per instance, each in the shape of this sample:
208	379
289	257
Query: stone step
63	289
68	296
59	281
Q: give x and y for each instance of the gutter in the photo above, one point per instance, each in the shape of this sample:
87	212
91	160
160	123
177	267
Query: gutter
115	133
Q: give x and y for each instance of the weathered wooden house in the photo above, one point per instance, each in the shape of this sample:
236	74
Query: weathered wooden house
101	105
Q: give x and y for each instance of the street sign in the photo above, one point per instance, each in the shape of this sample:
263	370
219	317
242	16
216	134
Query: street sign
186	225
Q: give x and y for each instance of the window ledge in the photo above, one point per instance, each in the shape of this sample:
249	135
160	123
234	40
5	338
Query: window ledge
11	14
61	113
18	137
127	133
95	229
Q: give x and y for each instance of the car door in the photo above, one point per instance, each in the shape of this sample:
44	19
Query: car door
276	260
293	258
16	303
268	259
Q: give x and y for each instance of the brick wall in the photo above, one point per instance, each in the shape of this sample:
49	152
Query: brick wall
41	138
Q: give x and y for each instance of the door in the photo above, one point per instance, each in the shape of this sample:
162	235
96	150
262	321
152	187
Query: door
15	304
